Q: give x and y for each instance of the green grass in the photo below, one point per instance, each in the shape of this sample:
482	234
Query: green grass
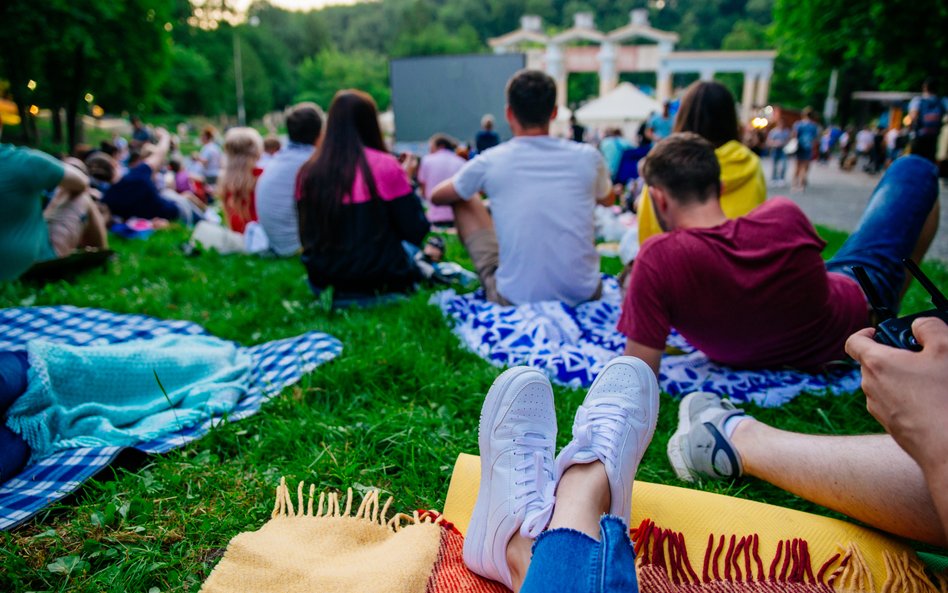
393	411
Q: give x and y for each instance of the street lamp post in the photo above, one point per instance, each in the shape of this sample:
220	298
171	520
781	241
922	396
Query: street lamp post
239	74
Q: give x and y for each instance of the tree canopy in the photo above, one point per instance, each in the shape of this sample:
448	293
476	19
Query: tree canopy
177	56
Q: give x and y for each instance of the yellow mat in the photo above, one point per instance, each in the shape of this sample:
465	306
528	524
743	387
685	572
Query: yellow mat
697	514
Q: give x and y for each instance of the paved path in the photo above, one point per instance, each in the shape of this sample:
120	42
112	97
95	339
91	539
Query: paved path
837	198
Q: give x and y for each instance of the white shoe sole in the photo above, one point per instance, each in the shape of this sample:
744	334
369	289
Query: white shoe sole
676	453
477	529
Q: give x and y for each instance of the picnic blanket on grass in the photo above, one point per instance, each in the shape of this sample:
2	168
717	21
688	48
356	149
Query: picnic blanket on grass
273	366
330	543
571	345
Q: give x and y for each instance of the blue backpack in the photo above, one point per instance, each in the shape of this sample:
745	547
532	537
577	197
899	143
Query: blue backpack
930	113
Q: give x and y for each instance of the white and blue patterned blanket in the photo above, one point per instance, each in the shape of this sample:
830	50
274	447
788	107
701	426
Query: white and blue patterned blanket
572	344
275	365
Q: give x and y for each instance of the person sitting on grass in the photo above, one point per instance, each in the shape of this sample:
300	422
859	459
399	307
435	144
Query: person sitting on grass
543	192
136	195
708	109
439	164
28	234
243	147
276	187
754	292
896	482
560	524
357	207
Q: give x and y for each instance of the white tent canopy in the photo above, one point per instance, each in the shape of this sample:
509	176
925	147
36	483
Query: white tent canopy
625	106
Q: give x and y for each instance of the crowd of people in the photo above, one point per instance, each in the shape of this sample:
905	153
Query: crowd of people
739	276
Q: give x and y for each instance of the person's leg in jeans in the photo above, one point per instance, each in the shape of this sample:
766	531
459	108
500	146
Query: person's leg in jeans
525	495
13	382
896	224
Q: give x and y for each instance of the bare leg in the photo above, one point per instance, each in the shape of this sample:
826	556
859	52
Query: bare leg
74	221
94	234
869	478
582	497
925	239
471	216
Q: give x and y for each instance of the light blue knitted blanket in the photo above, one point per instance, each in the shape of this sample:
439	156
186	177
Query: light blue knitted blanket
127	393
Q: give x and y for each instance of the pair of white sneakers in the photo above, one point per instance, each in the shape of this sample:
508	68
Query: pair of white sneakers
517	439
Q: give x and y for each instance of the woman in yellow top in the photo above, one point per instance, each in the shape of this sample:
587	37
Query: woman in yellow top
708	109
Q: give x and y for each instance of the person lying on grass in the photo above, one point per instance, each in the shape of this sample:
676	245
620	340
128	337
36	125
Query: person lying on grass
28	233
543	523
896	482
543	192
754	292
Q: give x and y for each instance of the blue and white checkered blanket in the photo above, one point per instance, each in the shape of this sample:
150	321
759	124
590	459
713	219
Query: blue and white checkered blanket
275	365
572	344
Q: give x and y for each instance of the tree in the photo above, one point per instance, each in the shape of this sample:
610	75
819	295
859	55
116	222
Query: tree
889	44
320	77
77	50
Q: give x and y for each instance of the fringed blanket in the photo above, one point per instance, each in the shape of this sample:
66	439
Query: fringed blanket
694	541
572	344
327	543
274	365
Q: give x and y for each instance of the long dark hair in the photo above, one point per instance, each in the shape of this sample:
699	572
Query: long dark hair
352	125
708	109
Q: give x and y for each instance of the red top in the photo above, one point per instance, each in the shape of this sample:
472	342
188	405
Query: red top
752	292
237	222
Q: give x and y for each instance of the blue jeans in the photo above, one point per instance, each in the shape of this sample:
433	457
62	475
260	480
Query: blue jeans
890	227
14	451
780	164
569	561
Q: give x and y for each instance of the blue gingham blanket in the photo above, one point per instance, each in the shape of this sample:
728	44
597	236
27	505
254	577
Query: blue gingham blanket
275	365
571	345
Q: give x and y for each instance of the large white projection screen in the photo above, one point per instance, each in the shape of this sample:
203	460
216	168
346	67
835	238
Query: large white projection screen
449	94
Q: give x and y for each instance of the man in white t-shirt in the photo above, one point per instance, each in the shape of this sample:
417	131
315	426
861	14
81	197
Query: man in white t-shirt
542	192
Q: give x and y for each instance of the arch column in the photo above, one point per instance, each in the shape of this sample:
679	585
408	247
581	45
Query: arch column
707	74
747	96
763	89
608	79
554	67
663	85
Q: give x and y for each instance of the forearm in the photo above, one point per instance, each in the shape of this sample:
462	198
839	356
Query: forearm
936	476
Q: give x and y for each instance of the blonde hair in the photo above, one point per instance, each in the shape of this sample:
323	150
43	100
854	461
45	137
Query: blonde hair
242	147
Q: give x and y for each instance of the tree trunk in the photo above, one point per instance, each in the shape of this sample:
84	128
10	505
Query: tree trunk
57	125
27	126
73	125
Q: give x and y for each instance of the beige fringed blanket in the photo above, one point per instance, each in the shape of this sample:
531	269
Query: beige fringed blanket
685	541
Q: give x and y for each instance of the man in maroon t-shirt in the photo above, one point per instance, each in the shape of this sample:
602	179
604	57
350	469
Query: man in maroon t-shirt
754	292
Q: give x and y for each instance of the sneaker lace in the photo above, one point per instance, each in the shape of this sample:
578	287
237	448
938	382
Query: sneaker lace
535	490
599	428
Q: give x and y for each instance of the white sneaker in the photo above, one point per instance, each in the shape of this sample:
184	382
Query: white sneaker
614	425
517	438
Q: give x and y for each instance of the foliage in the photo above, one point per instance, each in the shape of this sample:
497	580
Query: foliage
321	76
116	51
393	411
890	44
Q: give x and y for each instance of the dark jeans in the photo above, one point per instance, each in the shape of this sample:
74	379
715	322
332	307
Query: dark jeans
780	164
890	227
569	561
14	451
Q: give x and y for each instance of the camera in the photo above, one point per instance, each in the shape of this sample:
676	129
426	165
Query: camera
897	331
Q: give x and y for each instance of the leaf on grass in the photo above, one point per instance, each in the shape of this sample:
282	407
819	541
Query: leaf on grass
45	534
67	565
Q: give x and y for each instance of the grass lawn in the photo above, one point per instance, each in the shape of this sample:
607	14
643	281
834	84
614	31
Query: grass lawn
393	411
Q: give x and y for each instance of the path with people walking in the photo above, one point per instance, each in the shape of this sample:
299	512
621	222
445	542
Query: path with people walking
837	199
